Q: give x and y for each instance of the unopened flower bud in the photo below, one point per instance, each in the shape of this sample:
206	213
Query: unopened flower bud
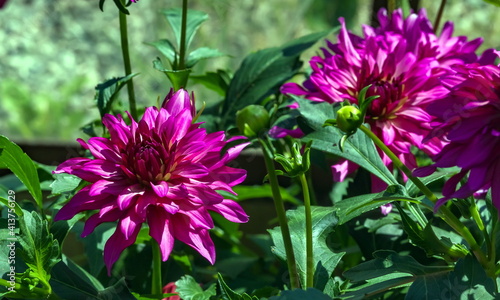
349	118
252	119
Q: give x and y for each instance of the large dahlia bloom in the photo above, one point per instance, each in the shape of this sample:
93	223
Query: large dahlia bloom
164	171
402	60
469	119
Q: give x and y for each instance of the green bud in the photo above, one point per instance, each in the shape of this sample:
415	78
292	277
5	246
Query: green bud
349	118
252	119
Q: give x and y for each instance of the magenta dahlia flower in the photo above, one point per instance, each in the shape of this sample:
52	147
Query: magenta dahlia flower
469	120
164	171
402	60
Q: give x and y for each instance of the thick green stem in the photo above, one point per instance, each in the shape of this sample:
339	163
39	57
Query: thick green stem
45	293
280	211
156	286
309	237
445	213
391	6
126	63
439	15
182	46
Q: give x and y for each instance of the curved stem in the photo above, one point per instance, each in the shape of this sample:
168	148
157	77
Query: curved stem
156	284
280	211
445	213
182	46
126	63
439	15
309	238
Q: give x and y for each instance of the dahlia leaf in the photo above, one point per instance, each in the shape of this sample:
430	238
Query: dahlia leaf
121	6
357	148
299	294
229	294
189	289
215	81
39	250
467	281
202	53
64	183
350	208
262	73
107	91
194	20
166	48
494	2
389	270
13	158
325	260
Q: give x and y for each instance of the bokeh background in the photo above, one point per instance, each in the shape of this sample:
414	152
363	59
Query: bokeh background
53	53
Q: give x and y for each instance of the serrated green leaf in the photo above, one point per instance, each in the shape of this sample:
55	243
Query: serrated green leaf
229	294
467	281
350	208
387	270
189	289
19	163
215	81
298	294
167	49
39	250
194	20
358	147
107	91
325	260
64	183
262	73
201	53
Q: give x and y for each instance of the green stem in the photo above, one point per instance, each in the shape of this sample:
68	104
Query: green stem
445	213
439	15
43	293
182	46
391	6
309	237
156	286
126	63
280	211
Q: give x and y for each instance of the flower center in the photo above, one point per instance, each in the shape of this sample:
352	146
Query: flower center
390	101
151	162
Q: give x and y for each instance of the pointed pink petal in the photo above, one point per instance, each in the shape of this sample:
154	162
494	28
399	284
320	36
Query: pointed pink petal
230	210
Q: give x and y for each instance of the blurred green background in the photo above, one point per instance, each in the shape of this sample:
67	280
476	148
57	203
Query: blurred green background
53	53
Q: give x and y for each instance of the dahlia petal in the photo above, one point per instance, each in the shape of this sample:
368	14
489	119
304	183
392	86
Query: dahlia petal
119	134
103	169
343	168
102	148
199	218
198	239
159	223
70	165
495	187
124	236
161	189
450	186
386	209
127	196
228	175
105	214
109	187
177	102
230	210
82	201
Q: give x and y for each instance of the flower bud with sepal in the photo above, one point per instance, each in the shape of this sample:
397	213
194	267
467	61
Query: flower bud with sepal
252	119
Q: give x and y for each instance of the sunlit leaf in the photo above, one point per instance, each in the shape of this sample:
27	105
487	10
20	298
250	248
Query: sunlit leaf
325	260
19	163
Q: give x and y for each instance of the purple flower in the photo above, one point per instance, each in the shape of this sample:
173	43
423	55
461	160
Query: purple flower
164	171
402	60
469	120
